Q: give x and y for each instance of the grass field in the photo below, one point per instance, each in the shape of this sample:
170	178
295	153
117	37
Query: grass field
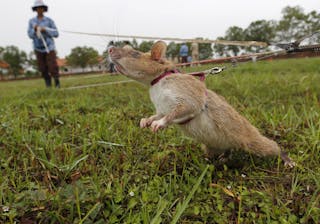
79	156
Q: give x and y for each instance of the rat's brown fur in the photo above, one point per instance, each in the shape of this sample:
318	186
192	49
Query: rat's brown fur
184	100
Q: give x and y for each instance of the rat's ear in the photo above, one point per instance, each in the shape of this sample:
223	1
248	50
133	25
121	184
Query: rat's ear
158	50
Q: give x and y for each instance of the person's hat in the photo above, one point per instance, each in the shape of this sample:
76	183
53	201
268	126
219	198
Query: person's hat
39	3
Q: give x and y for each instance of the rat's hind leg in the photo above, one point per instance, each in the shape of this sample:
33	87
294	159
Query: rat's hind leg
287	160
214	153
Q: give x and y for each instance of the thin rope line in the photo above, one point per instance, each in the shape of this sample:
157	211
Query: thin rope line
96	85
224	42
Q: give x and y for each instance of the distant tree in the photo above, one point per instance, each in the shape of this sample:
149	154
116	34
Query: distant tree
313	19
134	44
234	33
83	57
32	62
260	30
1	50
145	46
172	50
219	49
293	24
205	50
15	58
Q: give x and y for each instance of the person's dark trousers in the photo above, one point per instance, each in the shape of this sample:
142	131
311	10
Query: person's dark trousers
47	64
112	68
184	59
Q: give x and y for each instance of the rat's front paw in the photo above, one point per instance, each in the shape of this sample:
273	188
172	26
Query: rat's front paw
145	122
156	125
290	164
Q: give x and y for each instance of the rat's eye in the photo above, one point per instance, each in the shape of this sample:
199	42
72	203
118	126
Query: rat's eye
135	54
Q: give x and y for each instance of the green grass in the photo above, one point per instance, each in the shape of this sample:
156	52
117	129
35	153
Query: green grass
79	156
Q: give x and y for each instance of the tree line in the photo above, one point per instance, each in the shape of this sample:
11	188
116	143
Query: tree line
294	24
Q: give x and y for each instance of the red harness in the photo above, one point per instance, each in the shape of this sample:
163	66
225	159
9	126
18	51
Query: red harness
201	75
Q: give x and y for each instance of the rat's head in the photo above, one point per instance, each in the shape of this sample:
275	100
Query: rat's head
143	67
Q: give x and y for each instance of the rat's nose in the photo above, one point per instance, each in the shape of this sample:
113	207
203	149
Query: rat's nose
111	50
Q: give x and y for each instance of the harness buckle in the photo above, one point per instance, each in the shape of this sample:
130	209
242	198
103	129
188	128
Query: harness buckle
216	70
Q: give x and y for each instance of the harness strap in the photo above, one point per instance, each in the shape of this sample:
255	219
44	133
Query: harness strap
201	75
166	73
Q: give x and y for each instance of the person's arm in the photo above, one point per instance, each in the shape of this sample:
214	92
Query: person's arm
31	31
52	30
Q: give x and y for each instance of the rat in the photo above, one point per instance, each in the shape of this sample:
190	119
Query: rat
184	100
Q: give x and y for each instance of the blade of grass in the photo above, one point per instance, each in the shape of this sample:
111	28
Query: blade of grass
184	205
89	212
161	206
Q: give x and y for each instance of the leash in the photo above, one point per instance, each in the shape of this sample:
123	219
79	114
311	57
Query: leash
289	47
40	36
223	42
234	63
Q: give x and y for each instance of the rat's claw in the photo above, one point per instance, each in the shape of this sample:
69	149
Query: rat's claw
144	123
156	125
290	164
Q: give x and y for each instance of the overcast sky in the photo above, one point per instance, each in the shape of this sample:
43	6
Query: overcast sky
164	18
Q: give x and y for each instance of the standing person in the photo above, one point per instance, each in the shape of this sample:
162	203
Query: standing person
195	51
111	64
184	51
42	30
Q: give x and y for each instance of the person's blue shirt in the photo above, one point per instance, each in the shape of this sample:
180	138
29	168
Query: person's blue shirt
48	35
184	50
